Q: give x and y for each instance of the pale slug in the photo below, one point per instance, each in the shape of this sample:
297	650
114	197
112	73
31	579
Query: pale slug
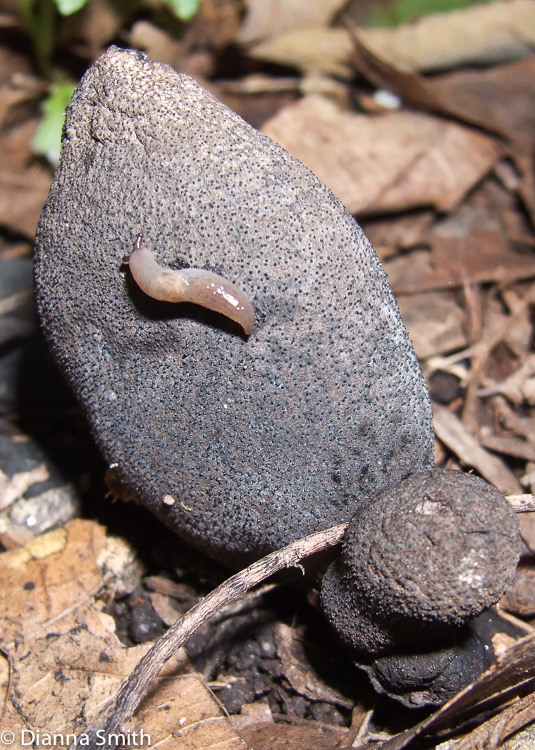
194	285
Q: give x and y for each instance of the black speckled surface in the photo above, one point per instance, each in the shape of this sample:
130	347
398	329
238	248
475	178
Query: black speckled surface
420	561
255	441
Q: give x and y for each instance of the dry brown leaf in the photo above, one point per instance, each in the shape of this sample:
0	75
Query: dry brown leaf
44	581
412	88
252	714
24	185
390	234
57	674
507	444
316	49
268	18
163	606
452	432
61	679
182	714
435	322
300	673
499	101
180	591
306	736
504	99
481	255
496	32
66	660
389	162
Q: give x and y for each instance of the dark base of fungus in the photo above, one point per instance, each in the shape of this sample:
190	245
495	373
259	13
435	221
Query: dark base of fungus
433	675
418	564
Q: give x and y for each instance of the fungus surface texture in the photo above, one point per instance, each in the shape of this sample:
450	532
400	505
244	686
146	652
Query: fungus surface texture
420	561
240	444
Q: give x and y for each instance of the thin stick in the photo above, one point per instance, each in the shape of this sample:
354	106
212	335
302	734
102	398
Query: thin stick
522	503
483	350
137	684
134	687
9	690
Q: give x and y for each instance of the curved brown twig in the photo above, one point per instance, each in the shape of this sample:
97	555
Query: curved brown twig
134	687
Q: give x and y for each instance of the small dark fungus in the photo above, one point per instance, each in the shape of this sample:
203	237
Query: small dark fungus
419	562
423	556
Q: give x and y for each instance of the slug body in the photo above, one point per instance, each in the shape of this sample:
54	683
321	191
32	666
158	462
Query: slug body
194	285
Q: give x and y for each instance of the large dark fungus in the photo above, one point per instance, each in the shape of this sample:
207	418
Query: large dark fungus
241	445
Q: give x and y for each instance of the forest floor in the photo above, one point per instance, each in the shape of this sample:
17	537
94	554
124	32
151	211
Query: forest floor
429	141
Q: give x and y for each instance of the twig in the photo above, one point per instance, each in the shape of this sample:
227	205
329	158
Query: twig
522	503
483	351
9	690
137	684
135	687
14	301
455	435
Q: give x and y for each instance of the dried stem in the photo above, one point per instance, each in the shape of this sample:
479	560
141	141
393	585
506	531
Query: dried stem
134	687
522	503
483	351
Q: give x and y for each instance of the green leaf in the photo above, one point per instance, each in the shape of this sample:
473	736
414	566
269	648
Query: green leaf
68	7
404	11
47	138
185	9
